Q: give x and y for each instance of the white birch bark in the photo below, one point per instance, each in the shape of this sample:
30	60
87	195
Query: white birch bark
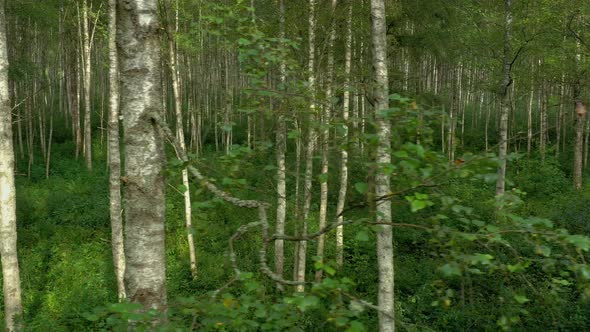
180	136
327	110
87	80
8	251
141	103
382	182
344	151
504	102
115	156
281	142
302	250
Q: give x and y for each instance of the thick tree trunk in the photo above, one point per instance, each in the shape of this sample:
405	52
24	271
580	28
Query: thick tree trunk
504	102
115	157
141	105
382	186
8	251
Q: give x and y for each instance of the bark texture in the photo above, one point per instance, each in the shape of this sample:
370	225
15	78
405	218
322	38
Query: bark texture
382	182
141	105
87	80
115	156
344	151
504	102
10	271
580	111
302	249
281	141
326	114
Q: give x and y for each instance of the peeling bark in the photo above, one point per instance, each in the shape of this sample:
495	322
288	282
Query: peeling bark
141	103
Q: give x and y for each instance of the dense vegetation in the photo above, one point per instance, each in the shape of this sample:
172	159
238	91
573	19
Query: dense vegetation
466	257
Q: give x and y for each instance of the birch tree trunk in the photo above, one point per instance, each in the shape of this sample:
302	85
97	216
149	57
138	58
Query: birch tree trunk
8	251
141	105
504	102
382	186
580	111
302	249
281	142
87	80
181	141
580	117
115	156
326	140
344	151
543	102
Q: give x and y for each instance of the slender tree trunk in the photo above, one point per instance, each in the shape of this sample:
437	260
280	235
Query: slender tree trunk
48	157
529	141
115	157
326	140
504	102
87	80
544	96
180	136
580	111
8	237
382	187
141	106
281	142
560	123
307	193
344	150
586	143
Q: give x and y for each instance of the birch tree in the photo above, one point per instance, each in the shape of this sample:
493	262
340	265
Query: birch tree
307	193
87	70
115	156
141	106
326	138
383	158
8	251
281	142
180	136
344	151
504	100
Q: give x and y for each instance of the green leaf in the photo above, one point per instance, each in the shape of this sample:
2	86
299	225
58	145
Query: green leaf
543	250
361	187
484	259
450	269
356	326
329	270
418	205
401	154
521	299
309	301
362	236
580	241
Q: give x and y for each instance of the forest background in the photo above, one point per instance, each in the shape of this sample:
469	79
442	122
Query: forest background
281	109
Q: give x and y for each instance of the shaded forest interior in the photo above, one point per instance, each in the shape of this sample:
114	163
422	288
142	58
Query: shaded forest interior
294	165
